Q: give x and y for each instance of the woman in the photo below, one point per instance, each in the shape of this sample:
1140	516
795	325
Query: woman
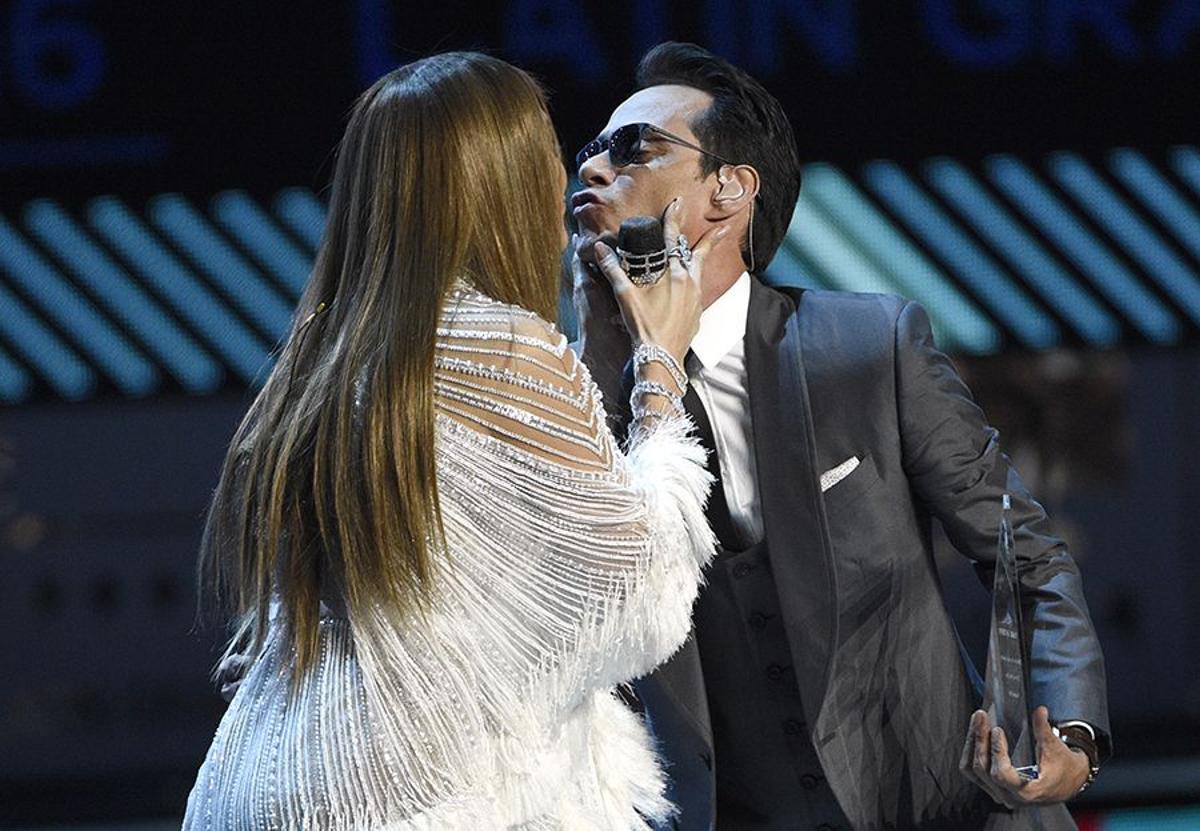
442	562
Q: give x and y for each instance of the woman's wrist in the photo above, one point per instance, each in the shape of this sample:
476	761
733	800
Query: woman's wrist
658	374
655	394
655	397
659	386
651	360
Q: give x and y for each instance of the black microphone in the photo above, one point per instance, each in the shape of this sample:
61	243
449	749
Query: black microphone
640	249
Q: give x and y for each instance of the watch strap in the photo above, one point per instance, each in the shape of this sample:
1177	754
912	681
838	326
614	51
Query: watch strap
1078	736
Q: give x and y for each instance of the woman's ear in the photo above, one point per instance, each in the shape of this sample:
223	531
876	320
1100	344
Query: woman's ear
737	185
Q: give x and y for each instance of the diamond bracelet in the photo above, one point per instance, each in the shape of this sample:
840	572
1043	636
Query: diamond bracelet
653	353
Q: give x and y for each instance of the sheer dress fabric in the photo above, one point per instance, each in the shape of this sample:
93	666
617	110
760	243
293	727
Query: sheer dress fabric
569	567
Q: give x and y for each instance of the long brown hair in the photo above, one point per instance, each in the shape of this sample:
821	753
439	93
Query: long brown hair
446	169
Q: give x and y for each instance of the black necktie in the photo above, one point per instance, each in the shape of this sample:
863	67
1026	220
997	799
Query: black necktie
717	510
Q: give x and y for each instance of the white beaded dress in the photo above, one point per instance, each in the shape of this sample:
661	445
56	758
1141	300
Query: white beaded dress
569	567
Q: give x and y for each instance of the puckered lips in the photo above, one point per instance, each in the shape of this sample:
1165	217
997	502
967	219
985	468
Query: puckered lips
586	207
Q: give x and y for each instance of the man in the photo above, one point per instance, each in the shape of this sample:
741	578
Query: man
824	685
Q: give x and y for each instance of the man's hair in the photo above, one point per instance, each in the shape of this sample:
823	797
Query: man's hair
745	124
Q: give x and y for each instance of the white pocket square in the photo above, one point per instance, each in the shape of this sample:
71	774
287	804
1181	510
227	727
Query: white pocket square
836	474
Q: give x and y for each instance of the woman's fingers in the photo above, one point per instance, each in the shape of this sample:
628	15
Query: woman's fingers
703	247
610	267
671	222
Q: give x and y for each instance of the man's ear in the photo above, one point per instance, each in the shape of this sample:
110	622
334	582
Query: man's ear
737	185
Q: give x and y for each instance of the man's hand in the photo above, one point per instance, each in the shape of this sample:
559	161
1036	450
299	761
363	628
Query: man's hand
985	761
592	294
603	340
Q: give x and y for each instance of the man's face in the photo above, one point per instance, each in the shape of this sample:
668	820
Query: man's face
661	171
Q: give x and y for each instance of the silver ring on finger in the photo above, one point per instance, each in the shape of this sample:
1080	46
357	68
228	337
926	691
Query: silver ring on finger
682	250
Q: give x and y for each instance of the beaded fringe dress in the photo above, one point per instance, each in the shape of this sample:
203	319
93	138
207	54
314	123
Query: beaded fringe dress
569	566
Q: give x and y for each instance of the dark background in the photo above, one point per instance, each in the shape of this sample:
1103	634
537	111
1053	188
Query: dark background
253	95
105	707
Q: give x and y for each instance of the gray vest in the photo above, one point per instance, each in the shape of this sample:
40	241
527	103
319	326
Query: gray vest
767	772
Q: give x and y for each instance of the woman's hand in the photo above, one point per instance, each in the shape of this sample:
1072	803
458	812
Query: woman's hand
665	314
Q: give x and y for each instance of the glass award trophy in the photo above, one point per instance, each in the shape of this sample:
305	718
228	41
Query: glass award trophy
1006	695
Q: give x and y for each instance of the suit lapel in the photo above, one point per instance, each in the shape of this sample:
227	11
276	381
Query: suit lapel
793	514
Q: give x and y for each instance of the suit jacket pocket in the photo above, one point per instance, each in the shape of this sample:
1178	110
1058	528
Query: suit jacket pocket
846	492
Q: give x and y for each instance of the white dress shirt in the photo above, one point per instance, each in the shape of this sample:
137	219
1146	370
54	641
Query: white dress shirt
720	382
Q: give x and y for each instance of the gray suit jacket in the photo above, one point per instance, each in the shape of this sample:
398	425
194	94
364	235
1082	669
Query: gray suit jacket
886	686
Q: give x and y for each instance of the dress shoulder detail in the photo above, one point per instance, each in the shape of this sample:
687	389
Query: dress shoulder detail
508	374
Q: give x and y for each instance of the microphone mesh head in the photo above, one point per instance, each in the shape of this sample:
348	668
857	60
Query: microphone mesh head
640	247
641	235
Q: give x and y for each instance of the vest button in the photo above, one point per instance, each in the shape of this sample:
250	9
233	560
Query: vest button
808	781
774	672
742	569
793	727
758	620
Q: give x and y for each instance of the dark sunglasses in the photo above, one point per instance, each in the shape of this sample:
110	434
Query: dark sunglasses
624	143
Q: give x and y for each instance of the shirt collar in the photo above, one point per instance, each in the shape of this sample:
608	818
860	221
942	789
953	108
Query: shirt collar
723	323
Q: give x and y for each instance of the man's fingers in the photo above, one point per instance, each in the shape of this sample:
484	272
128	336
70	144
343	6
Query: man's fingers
986	762
966	762
964	759
1049	746
981	761
576	262
1062	771
583	271
579	274
1007	784
1041	727
1002	771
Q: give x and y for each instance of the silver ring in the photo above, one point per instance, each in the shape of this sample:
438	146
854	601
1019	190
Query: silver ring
681	250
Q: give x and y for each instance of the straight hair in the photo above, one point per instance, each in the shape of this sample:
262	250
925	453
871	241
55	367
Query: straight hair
329	487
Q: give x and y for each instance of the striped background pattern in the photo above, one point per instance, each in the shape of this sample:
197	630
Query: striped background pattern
1006	253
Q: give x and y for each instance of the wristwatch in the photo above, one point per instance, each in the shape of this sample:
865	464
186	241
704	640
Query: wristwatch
1079	735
